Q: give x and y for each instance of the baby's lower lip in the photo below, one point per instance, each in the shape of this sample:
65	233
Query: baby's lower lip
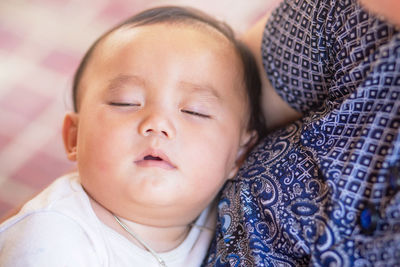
155	163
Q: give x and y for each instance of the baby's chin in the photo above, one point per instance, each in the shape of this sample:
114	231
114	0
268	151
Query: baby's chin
154	209
166	219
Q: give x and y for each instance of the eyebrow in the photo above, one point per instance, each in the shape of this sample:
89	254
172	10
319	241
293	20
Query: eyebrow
208	89
122	79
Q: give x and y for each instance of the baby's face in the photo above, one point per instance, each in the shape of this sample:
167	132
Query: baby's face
162	116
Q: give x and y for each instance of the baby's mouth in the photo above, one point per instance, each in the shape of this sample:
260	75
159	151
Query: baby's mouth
149	157
155	159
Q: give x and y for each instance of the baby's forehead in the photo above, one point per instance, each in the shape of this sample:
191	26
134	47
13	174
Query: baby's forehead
121	41
128	38
125	34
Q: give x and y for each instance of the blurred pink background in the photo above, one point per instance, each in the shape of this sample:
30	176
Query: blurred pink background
41	43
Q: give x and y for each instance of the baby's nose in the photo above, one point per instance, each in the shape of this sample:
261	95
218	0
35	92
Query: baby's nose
157	124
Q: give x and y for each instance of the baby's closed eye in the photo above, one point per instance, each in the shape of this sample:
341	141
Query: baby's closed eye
196	113
124	104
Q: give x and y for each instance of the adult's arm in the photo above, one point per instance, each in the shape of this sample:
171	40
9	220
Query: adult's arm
277	112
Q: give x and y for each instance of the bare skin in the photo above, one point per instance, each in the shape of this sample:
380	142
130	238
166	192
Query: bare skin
155	115
276	111
387	9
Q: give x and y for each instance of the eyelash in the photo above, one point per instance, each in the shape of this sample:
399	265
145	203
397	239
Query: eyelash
124	104
193	113
201	115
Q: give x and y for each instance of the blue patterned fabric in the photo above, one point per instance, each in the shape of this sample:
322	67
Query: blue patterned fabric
325	190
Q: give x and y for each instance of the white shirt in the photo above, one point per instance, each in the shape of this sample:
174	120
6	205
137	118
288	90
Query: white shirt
59	228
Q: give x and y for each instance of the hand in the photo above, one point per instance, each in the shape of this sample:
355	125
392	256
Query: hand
388	9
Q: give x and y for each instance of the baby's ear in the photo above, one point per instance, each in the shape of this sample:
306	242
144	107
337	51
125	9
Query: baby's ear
70	134
248	140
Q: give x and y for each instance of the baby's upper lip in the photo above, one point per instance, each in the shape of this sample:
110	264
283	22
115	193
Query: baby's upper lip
155	154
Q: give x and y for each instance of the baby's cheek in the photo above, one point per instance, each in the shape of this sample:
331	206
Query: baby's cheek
221	151
96	148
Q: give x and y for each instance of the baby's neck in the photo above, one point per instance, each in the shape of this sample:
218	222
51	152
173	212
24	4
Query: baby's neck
160	239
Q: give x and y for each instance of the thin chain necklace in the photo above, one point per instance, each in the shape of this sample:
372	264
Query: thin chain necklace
160	261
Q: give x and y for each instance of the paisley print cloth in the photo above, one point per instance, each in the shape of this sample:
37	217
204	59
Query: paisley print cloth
323	191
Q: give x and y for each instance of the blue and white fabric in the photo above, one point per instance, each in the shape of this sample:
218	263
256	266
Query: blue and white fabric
325	190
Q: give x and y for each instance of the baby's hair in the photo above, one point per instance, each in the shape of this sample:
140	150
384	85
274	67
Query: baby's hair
191	16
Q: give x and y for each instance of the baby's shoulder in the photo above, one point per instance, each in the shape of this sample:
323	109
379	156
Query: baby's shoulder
41	223
56	228
45	238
